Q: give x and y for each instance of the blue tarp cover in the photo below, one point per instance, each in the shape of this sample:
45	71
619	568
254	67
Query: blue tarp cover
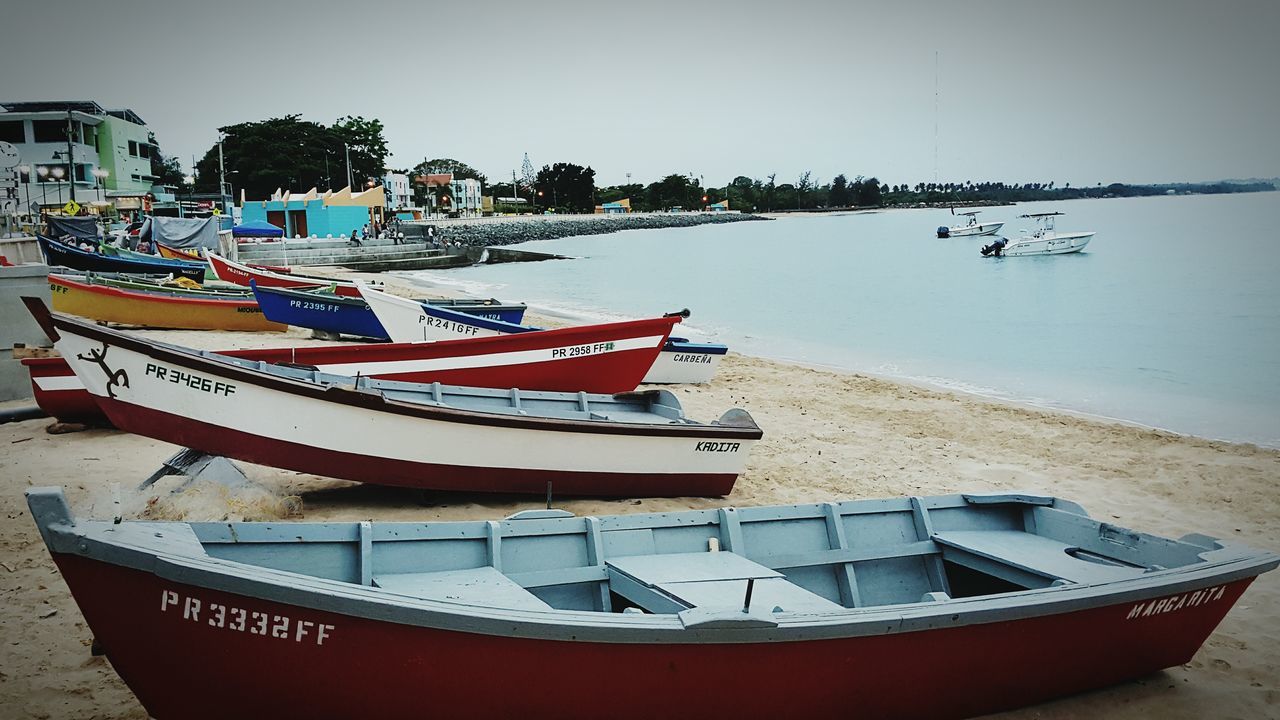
256	228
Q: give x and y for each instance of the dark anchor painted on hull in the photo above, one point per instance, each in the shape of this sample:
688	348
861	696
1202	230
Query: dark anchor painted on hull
114	377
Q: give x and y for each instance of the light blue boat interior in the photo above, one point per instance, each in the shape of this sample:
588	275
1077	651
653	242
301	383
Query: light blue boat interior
803	558
749	566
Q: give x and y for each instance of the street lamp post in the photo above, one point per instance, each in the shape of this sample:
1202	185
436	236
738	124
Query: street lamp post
57	173
43	172
24	172
99	181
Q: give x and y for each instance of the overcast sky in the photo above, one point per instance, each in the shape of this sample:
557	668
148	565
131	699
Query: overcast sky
1079	91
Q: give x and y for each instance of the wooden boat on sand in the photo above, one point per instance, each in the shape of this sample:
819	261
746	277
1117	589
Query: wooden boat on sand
555	360
409	434
57	253
405	320
157	309
241	274
331	313
924	607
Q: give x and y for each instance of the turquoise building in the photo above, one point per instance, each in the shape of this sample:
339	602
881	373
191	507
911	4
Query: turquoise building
319	214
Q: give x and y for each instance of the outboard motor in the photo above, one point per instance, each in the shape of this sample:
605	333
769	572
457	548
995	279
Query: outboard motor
995	249
944	231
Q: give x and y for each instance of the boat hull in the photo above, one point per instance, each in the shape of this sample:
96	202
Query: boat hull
56	253
412	321
682	362
148	624
1054	244
173	253
240	274
222	409
975	230
156	310
529	361
352	316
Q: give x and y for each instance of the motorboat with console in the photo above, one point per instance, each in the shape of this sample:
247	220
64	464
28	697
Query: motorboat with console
1045	240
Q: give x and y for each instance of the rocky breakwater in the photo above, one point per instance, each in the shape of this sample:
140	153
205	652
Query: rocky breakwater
487	232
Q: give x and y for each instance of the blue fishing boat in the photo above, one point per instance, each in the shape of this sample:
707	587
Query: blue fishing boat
924	607
331	313
57	253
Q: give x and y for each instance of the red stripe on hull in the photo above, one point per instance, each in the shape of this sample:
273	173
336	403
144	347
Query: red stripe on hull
288	455
191	668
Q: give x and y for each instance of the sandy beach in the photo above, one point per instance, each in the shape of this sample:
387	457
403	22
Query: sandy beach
828	436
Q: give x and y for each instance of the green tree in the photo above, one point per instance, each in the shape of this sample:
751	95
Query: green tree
840	195
367	146
568	186
293	154
167	170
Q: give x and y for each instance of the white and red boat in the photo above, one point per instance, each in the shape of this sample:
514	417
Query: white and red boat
240	274
604	358
428	436
405	320
927	607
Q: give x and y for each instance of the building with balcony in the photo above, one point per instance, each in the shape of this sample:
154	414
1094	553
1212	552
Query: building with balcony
399	196
78	149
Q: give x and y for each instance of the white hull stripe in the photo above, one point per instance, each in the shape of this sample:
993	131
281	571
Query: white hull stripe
59	382
518	357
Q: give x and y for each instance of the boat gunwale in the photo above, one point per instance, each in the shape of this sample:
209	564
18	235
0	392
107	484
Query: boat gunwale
162	297
93	540
374	401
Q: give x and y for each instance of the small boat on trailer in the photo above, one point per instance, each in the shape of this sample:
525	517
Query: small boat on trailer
427	436
405	320
57	253
555	360
139	308
979	603
971	228
1045	240
329	313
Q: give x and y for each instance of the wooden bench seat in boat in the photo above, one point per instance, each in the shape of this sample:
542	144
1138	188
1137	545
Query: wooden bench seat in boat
476	586
672	583
1028	559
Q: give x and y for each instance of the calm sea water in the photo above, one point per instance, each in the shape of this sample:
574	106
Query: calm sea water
1170	318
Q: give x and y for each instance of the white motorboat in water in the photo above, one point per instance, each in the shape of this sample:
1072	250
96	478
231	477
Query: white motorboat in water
971	228
1046	240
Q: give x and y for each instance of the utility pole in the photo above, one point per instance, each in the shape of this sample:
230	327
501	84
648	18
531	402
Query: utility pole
348	148
71	166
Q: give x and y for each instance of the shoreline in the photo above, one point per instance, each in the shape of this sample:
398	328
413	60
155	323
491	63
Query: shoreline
560	316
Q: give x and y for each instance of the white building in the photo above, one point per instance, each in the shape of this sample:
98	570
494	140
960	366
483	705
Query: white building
399	196
466	196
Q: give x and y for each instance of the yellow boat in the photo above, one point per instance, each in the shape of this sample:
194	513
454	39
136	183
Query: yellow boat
156	310
173	253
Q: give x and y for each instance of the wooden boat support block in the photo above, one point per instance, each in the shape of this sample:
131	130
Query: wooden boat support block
1028	560
677	582
483	586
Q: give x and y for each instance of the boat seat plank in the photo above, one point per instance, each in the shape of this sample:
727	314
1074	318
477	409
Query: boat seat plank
476	586
673	582
1031	553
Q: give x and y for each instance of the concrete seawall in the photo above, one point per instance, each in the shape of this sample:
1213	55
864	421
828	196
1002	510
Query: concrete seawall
482	232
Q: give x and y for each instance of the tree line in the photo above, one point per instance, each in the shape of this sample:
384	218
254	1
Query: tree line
295	154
